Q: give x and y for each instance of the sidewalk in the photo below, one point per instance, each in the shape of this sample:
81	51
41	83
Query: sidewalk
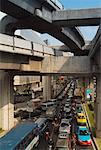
90	116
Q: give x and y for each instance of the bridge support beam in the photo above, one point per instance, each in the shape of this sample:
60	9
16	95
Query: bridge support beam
98	107
7	25
6	101
80	17
47	88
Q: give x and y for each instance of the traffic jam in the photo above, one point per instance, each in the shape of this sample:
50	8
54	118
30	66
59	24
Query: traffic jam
67	126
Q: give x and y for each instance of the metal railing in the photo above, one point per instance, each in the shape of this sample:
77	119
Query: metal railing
16	45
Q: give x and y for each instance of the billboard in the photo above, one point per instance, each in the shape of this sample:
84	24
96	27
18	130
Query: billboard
88	93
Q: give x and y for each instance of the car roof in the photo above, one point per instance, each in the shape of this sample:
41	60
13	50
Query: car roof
82	128
81	114
67	104
15	135
40	120
67	108
47	103
65	120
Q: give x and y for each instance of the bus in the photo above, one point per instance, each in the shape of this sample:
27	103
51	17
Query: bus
24	136
42	124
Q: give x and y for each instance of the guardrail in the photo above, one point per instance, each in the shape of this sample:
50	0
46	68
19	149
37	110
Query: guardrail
16	45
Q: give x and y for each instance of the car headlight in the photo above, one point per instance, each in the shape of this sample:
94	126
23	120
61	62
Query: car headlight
89	140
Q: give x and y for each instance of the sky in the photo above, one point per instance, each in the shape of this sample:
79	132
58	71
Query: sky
87	32
75	4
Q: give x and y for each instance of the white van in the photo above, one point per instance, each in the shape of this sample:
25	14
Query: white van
65	126
42	124
52	100
55	101
46	105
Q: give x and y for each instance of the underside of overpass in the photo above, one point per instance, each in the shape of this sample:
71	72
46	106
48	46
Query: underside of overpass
40	21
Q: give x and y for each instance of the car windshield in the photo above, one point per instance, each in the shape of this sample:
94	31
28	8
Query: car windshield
67	105
81	117
64	124
84	132
79	108
68	117
63	133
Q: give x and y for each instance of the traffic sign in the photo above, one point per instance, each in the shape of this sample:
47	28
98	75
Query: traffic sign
88	92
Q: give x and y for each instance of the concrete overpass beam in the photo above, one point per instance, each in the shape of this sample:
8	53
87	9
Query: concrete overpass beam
20	9
74	36
81	17
7	25
31	14
67	65
70	36
6	101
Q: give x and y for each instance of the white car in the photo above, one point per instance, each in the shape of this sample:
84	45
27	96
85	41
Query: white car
63	135
68	100
67	110
65	126
67	105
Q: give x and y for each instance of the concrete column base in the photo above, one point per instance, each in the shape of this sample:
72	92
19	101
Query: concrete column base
6	101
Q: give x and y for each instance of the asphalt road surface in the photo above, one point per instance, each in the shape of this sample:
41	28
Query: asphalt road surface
84	147
43	144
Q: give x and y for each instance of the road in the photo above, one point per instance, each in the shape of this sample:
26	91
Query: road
78	147
84	147
43	144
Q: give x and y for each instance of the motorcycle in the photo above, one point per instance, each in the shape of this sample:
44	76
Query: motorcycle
50	147
50	144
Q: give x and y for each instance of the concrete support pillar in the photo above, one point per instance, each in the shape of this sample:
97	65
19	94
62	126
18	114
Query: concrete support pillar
46	88
7	25
6	101
98	107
